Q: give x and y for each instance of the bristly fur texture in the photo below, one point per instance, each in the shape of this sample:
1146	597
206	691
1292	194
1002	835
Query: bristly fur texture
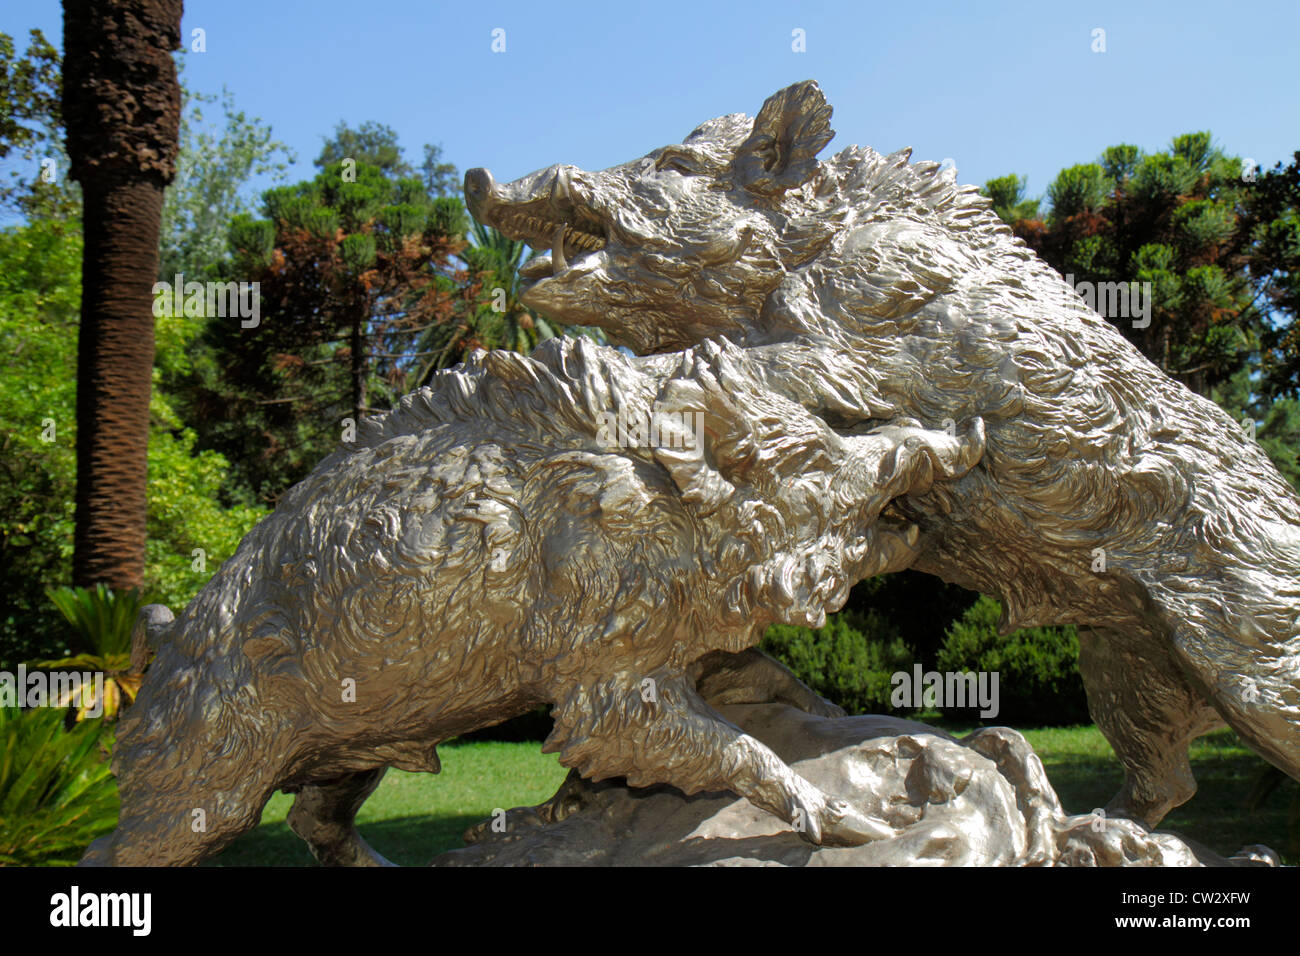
479	551
1111	497
485	548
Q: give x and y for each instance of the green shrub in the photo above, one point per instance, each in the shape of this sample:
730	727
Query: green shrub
916	606
849	661
1038	674
56	791
40	295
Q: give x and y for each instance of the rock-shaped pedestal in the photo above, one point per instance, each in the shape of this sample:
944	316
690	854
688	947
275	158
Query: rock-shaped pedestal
983	800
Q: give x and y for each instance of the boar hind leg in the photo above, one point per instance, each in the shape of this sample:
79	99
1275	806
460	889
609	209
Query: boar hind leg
1149	713
661	731
324	814
1251	679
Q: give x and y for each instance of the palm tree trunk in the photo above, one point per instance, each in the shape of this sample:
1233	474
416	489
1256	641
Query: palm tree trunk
114	374
121	106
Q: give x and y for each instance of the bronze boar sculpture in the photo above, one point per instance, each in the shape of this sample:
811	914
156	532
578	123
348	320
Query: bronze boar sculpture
509	537
883	376
1110	496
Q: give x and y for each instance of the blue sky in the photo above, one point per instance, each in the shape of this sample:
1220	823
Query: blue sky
996	87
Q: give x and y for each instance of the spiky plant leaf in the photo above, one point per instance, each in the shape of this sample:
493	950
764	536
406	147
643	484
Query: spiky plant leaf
56	791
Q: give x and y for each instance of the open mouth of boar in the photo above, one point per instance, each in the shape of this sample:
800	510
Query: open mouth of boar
551	224
566	241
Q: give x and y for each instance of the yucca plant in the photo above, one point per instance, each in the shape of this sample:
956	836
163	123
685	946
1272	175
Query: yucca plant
56	791
102	622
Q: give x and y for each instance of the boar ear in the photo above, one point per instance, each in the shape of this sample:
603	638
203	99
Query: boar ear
781	151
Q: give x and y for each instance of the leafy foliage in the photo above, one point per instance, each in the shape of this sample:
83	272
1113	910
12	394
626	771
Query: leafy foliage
1038	679
370	144
31	127
376	144
1008	195
1273	223
39	297
354	268
497	318
56	791
102	622
211	171
1172	219
1277	421
440	179
1077	191
849	661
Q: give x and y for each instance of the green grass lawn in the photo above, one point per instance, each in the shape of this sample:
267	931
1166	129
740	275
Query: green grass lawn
415	816
412	817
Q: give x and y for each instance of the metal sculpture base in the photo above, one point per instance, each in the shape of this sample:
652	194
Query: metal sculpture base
983	800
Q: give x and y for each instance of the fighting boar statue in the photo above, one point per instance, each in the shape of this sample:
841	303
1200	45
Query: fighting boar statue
1110	497
510	537
879	376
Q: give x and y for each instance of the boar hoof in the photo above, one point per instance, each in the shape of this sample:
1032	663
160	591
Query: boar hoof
844	825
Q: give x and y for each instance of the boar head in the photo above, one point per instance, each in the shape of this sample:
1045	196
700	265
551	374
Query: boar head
682	244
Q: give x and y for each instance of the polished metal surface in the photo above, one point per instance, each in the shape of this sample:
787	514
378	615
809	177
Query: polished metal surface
889	380
496	543
1111	497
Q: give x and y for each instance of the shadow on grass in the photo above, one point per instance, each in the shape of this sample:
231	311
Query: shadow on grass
406	841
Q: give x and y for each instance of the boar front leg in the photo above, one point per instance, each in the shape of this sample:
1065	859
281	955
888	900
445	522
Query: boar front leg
659	730
746	677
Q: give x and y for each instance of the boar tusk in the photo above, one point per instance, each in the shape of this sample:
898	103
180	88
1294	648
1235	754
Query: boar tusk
557	251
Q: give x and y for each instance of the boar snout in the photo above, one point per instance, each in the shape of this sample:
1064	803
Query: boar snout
479	185
954	455
510	207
